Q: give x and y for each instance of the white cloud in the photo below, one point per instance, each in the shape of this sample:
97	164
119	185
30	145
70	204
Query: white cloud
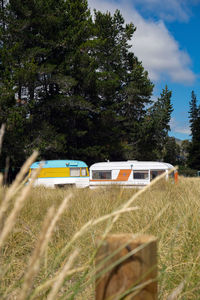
152	43
160	52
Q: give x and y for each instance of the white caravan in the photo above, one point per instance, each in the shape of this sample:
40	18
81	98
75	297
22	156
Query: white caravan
131	173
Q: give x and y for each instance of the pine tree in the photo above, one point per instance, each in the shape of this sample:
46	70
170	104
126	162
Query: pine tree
156	126
122	86
10	112
161	112
194	118
171	151
138	92
42	55
194	115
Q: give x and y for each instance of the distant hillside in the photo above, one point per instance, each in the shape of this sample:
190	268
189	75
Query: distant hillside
178	141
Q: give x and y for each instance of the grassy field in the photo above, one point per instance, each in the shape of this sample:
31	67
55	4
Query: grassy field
46	253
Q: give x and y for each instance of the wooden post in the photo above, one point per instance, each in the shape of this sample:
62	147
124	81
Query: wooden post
131	268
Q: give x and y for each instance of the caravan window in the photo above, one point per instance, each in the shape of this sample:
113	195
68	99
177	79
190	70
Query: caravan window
83	172
141	174
74	172
155	173
101	175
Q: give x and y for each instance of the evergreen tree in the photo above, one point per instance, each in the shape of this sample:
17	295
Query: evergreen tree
194	118
185	146
156	127
123	87
41	57
171	151
10	112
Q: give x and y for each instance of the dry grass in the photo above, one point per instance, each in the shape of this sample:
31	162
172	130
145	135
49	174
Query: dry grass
40	260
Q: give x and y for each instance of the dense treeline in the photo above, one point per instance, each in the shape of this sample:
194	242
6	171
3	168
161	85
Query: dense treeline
71	88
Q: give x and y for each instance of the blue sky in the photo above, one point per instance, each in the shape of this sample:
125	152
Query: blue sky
167	42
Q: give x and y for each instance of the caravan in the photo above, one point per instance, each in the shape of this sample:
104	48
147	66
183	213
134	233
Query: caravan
59	173
131	173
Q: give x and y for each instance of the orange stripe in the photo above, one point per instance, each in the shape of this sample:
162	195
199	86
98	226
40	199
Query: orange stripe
123	175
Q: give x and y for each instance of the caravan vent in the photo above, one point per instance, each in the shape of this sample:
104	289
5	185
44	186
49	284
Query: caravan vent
73	164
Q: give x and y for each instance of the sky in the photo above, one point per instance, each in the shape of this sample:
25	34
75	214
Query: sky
168	45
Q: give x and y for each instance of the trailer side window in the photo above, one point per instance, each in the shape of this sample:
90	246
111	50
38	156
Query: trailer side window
74	172
101	175
141	174
83	172
155	173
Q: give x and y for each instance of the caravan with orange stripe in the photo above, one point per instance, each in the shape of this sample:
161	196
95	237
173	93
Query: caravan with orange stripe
131	173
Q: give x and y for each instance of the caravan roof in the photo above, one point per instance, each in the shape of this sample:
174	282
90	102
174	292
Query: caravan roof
60	164
131	164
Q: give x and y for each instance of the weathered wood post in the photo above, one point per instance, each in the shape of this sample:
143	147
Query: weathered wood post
126	268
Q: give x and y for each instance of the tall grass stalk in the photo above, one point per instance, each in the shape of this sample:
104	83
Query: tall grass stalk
60	278
176	292
49	283
2	132
10	193
51	220
33	266
10	221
